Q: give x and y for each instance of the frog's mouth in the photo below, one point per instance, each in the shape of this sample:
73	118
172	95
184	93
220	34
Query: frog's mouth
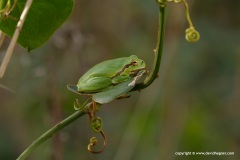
135	72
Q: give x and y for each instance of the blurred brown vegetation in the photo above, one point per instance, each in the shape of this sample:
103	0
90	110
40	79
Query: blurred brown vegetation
194	105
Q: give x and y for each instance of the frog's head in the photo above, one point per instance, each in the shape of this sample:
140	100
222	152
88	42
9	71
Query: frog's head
134	65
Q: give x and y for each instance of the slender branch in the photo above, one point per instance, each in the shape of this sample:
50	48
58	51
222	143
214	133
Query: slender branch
7	88
50	133
157	52
14	38
2	36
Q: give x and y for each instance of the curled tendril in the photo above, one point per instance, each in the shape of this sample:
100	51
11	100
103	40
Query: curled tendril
96	124
94	141
77	106
177	1
8	8
13	6
192	35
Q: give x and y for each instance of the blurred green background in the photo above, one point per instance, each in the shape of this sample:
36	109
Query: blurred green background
194	105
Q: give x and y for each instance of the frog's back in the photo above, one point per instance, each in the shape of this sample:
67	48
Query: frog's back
107	68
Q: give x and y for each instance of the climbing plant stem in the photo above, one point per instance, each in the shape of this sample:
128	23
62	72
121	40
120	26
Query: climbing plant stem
50	133
2	36
157	52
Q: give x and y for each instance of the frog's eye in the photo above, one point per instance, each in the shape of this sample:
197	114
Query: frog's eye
134	63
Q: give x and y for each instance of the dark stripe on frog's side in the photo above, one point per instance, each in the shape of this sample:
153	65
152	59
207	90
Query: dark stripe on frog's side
123	69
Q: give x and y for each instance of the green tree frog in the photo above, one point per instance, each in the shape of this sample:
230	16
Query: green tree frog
109	73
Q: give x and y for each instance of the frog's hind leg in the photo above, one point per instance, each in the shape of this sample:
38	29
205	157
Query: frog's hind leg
124	96
94	84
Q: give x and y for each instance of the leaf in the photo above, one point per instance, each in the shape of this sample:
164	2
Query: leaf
113	92
43	19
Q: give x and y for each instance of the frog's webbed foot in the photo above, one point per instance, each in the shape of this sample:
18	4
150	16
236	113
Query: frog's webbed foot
124	96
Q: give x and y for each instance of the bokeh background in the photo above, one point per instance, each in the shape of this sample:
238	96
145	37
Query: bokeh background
194	105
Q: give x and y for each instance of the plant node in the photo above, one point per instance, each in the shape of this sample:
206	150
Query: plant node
161	2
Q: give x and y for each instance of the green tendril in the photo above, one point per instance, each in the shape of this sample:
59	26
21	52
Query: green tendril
192	35
77	106
7	9
177	1
96	124
93	141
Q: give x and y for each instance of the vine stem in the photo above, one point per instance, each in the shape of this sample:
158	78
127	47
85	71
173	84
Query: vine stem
50	133
13	42
123	152
157	52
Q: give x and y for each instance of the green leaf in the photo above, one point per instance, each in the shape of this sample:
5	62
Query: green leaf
43	19
113	92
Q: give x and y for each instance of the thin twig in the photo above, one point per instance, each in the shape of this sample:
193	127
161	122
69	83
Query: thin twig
7	88
14	38
2	36
50	133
